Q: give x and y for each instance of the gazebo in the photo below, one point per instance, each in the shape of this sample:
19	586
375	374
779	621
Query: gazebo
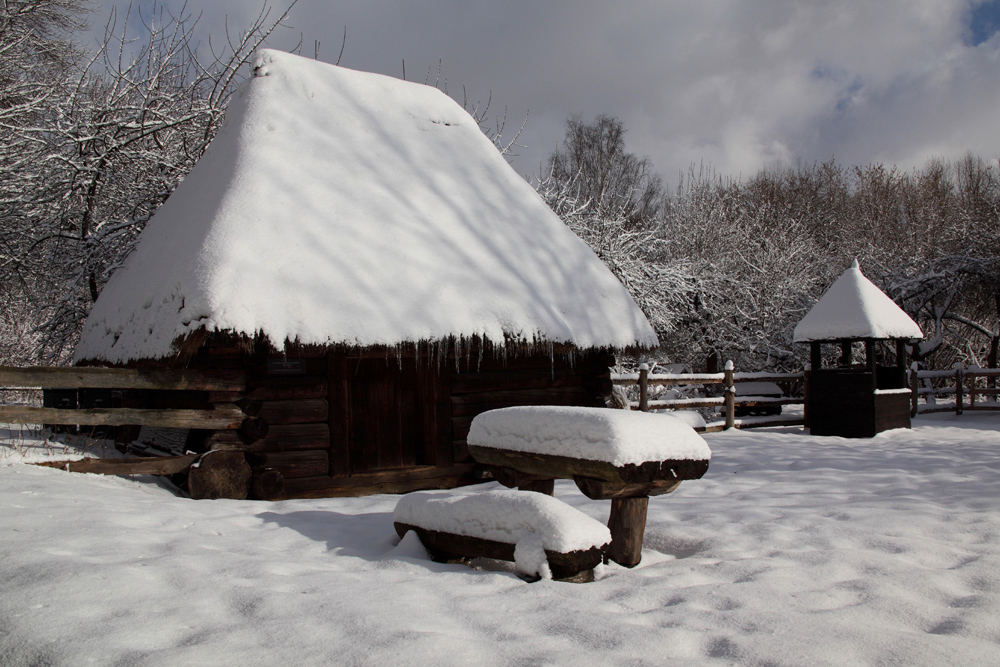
857	400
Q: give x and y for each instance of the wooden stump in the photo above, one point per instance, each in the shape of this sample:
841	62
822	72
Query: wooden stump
628	525
220	474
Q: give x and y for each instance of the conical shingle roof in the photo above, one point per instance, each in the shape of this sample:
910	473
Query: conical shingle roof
854	308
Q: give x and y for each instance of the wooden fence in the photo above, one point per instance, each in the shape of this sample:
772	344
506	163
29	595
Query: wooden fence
728	401
960	383
222	417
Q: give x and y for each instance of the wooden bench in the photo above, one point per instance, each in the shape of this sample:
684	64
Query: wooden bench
506	525
619	455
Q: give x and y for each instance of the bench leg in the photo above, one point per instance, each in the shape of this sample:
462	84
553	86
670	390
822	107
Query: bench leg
628	525
546	486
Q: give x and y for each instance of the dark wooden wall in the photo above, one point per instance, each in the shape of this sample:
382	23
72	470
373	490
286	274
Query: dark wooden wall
842	402
361	422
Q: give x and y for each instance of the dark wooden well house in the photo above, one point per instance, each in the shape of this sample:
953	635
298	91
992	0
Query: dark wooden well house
857	400
365	256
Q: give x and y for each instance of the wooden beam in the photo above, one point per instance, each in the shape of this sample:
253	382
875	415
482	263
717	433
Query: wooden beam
83	377
224	416
151	465
627	523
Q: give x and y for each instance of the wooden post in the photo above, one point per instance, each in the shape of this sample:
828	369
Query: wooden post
628	526
845	353
914	388
546	486
644	387
900	354
815	355
730	397
959	381
970	374
870	362
806	374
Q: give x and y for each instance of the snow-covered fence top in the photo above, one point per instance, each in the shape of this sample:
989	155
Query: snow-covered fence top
504	516
618	437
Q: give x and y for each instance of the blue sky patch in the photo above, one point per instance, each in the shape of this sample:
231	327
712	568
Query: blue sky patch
984	21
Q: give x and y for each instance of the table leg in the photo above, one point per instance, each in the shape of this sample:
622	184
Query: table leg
628	525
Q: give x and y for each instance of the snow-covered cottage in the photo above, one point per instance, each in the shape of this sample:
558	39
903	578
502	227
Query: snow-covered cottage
362	251
857	401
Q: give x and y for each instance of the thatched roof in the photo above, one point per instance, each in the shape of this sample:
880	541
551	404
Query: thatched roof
344	208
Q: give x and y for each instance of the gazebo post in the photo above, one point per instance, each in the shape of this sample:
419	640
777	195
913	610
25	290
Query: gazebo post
815	356
901	354
871	363
845	353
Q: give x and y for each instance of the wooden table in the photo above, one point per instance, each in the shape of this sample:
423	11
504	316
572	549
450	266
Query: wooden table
628	487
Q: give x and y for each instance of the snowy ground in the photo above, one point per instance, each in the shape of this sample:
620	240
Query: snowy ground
791	551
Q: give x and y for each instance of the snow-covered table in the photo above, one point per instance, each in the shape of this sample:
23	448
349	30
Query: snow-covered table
620	455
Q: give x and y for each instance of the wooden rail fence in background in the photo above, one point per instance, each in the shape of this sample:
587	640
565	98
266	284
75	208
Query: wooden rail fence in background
728	401
959	383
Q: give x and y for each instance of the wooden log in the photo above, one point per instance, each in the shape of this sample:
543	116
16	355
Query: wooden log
220	474
627	523
224	416
449	546
473	404
279	389
290	437
267	484
550	466
152	465
598	489
79	377
546	486
309	463
386	481
304	411
474	383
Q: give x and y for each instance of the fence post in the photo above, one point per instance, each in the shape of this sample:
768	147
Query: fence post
959	381
914	388
971	374
644	387
730	396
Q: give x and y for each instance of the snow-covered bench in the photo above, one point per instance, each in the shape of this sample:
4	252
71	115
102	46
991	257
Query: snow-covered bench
541	535
620	455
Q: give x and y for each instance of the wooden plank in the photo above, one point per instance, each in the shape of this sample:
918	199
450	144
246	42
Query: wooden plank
152	465
292	464
461	405
339	398
366	484
304	411
222	417
290	437
77	377
471	383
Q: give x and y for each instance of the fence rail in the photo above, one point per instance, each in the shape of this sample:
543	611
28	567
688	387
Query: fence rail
226	416
729	400
963	383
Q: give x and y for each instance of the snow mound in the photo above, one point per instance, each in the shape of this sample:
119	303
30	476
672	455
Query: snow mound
343	207
506	516
618	437
854	307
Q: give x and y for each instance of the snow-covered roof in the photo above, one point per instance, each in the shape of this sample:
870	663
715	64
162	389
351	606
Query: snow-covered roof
342	207
855	308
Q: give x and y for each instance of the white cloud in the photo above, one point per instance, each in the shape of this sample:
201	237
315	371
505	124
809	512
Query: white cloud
739	85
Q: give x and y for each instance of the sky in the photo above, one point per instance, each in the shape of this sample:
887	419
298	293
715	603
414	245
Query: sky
732	86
